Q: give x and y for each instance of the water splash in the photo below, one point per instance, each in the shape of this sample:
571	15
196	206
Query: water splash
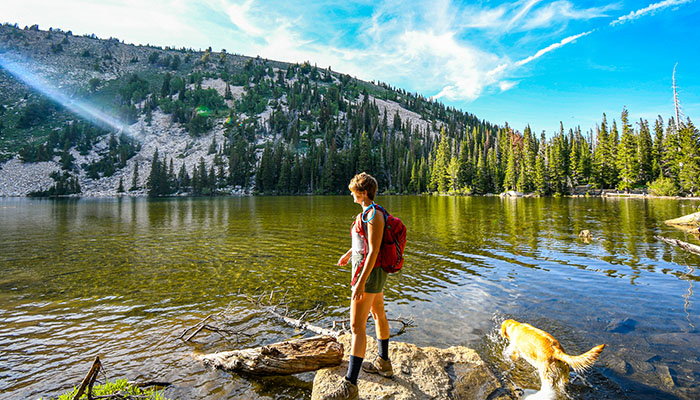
81	107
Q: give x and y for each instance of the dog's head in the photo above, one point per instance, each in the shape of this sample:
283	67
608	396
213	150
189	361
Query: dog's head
505	326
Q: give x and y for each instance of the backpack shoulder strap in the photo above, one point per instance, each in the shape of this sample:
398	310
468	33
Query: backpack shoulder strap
386	214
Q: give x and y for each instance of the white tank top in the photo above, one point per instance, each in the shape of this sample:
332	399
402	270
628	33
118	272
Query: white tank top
358	244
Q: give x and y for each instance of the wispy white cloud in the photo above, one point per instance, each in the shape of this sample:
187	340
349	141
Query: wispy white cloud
563	11
647	10
528	15
549	48
506	85
238	15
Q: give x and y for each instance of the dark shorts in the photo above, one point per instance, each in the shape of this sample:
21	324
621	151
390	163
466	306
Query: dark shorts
375	281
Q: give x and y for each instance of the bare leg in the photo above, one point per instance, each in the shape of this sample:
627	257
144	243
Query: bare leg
379	316
359	312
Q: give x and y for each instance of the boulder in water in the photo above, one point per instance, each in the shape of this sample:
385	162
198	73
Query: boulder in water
419	373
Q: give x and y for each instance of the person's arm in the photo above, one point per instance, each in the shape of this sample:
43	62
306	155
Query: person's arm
375	229
343	260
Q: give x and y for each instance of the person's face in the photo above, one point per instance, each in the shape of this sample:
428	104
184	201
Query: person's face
358	196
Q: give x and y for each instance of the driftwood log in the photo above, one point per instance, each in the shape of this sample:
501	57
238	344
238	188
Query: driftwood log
282	358
688	223
691	248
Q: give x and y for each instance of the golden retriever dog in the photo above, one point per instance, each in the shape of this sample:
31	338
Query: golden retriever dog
544	352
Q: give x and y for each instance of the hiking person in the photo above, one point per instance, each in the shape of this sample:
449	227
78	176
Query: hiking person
367	288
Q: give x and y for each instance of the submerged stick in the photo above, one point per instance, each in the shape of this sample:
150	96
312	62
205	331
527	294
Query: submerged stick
199	327
89	379
303	325
691	248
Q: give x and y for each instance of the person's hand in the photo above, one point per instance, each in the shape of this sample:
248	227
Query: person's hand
343	260
359	291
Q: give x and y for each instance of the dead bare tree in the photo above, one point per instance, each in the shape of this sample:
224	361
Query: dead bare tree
691	248
675	100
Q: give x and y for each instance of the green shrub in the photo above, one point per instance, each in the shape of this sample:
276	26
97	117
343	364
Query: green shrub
113	387
663	187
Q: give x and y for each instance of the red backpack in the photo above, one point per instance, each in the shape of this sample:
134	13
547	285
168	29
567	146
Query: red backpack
390	256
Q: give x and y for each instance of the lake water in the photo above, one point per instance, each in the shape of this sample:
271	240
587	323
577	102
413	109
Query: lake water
122	279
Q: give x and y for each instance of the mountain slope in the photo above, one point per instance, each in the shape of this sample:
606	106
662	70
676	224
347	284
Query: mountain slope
252	123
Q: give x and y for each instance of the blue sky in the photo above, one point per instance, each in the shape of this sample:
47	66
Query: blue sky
528	62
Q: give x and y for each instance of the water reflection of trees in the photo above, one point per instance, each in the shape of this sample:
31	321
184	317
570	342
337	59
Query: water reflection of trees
292	243
533	229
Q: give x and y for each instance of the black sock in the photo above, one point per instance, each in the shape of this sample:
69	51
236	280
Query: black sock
354	369
383	348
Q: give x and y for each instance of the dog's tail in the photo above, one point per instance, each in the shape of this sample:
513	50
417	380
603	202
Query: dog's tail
580	363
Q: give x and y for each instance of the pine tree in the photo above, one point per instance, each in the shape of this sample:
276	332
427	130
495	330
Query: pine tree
203	177
285	181
601	155
585	163
135	179
439	177
494	171
671	156
658	148
556	167
541	179
627	161
424	174
522	179
364	162
211	179
414	183
453	173
689	174
481	175
194	181
465	173
120	188
512	170
613	144
165	89
529	157
154	178
265	178
183	178
574	161
220	176
645	154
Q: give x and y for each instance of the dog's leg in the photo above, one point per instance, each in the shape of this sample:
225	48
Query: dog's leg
512	352
548	381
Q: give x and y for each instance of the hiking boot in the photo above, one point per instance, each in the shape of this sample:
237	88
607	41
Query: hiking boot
346	391
378	366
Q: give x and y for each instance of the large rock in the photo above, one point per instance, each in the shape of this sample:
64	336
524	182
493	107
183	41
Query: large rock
419	373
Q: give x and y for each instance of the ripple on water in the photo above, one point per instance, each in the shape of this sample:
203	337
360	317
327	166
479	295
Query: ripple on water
123	279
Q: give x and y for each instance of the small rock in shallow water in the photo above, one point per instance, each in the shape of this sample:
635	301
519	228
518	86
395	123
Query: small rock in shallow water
664	374
625	325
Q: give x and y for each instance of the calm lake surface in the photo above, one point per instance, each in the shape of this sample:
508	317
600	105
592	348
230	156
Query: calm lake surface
122	279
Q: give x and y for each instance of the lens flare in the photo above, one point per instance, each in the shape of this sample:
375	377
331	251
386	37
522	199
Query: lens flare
203	111
83	108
